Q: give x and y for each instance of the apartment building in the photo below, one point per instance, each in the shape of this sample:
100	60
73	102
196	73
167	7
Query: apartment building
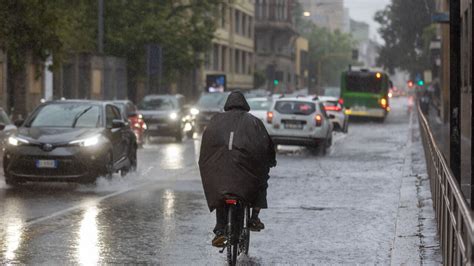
230	63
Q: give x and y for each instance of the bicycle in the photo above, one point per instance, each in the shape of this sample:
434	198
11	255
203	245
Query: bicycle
237	230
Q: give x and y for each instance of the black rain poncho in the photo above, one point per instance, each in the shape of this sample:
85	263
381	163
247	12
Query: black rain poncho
236	154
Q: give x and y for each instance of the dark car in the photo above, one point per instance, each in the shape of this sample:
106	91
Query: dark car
135	119
163	115
6	130
73	141
207	106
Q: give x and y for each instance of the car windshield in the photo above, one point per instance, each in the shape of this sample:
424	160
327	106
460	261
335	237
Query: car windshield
258	105
295	107
72	115
212	100
158	104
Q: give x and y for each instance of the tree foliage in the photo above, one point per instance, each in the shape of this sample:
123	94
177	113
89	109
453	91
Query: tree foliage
183	28
329	53
28	28
404	26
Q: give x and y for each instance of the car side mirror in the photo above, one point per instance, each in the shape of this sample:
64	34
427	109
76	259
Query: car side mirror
2	126
19	122
117	123
332	116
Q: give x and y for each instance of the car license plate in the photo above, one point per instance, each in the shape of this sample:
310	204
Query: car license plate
293	126
155	126
46	164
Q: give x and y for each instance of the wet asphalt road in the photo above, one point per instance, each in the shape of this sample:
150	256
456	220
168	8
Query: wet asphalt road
340	208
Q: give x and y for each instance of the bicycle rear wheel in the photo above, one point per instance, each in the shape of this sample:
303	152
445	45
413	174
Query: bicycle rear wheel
245	235
232	241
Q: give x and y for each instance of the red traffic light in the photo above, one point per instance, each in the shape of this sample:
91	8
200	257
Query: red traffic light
410	84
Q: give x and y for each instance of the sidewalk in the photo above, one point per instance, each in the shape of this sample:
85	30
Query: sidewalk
416	240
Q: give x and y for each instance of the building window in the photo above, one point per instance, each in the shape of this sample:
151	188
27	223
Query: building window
244	26
215	57
207	60
264	9
243	69
236	61
224	59
250	28
223	16
250	70
237	22
258	8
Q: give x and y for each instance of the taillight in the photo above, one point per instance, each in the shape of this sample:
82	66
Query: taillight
333	108
269	117
384	103
341	101
231	201
319	120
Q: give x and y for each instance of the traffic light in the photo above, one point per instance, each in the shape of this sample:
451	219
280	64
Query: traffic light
410	84
276	82
421	82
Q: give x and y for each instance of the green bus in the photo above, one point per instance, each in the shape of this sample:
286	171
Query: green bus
364	93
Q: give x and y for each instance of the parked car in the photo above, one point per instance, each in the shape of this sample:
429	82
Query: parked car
337	113
72	141
259	107
300	121
135	119
208	105
163	115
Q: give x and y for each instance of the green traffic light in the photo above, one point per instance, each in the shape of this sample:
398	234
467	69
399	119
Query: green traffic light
276	82
421	83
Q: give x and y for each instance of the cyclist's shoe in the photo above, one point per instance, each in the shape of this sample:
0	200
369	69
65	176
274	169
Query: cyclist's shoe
256	225
219	240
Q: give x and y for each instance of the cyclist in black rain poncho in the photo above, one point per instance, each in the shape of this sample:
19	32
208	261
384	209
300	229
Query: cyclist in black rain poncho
235	158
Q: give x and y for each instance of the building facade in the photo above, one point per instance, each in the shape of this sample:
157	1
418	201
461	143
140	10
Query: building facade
232	52
301	63
329	14
275	43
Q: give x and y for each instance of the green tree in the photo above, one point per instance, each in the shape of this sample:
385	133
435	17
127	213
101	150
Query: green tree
404	26
329	53
184	29
29	32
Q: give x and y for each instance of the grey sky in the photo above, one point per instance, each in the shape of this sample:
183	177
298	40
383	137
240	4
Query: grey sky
364	10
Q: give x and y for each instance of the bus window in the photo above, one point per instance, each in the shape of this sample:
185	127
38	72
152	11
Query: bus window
364	83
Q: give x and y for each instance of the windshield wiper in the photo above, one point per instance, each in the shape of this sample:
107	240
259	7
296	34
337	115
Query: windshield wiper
76	118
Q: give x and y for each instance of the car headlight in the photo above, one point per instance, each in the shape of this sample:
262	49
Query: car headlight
15	141
173	116
87	142
194	111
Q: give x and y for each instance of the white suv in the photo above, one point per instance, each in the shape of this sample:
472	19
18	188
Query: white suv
300	121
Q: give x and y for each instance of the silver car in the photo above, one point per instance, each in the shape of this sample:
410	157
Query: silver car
336	112
300	121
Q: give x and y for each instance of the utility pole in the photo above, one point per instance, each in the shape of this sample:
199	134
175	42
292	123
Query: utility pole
100	27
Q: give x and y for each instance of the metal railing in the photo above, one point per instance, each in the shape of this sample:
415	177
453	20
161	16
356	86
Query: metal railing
454	217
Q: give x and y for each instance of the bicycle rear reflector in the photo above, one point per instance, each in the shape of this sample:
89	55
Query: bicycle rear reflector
231	201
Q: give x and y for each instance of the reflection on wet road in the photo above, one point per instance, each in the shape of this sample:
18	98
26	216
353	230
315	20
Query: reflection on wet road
319	207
